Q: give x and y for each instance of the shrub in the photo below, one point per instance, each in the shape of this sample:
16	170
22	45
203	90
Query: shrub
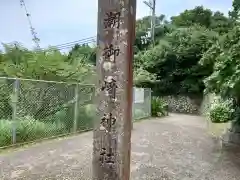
159	107
28	129
5	132
86	116
221	112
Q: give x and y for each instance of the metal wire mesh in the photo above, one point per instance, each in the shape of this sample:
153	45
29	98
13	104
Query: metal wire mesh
141	103
31	110
6	111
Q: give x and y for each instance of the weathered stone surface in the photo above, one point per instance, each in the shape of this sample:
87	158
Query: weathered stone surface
175	148
112	130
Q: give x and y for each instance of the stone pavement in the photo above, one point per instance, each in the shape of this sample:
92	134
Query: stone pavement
172	148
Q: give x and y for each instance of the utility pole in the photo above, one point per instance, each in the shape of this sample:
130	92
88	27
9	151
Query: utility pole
112	130
152	5
35	39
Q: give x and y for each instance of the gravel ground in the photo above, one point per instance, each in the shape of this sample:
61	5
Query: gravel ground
172	148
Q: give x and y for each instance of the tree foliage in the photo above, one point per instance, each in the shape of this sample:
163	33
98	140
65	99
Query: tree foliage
225	58
235	13
185	51
51	64
42	99
197	51
198	15
83	51
175	60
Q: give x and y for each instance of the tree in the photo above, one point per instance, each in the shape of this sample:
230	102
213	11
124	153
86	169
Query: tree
83	51
235	13
143	77
41	100
175	60
220	23
225	57
199	15
204	17
50	64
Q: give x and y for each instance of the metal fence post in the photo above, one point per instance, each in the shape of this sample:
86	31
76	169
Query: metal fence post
75	110
133	109
150	102
14	109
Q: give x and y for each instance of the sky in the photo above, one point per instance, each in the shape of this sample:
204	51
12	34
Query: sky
62	21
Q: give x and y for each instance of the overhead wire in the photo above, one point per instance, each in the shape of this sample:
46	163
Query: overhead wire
63	46
89	39
68	45
71	45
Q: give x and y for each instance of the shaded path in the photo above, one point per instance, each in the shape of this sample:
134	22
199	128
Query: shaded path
176	147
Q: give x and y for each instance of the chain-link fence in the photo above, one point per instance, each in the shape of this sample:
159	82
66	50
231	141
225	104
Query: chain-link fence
32	109
141	103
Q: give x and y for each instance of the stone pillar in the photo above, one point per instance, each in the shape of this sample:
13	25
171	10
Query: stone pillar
112	131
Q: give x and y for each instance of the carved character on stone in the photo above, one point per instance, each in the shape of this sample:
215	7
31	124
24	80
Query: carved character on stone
103	152
107	157
110	51
110	87
112	20
108	121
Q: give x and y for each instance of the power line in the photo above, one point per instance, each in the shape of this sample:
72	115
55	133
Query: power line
70	46
73	43
65	45
35	39
87	40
